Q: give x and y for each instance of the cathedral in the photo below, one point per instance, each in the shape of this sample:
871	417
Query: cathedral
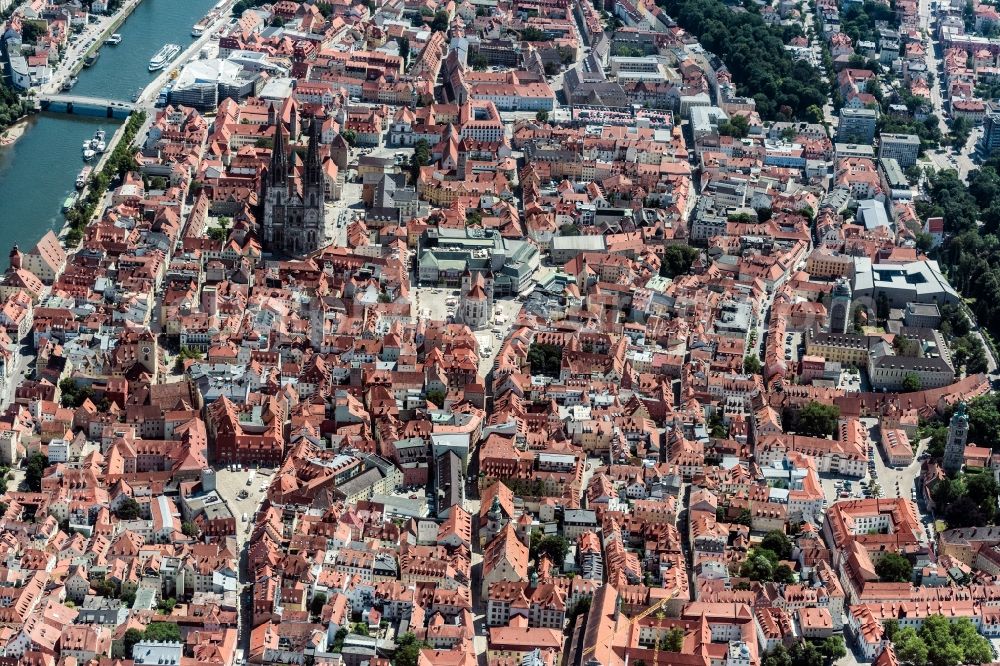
293	220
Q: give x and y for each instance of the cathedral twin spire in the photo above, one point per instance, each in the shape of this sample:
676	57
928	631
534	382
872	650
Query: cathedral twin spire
278	170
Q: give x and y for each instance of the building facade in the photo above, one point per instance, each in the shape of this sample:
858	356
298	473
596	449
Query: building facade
293	222
958	434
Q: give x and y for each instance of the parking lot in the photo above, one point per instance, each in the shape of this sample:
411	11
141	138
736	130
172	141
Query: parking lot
891	482
793	347
242	499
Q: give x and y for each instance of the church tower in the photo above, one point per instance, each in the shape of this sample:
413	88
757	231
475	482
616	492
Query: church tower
840	307
958	434
294	215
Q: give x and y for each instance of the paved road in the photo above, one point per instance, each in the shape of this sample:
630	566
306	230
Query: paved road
82	42
962	160
229	485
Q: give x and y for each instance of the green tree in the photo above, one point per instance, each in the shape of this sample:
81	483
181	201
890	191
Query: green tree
777	657
751	364
32	30
950	644
818	419
73	395
833	648
673	640
408	650
677	260
806	653
759	565
738	126
317	603
545	359
968	351
189	529
440	22
542	116
717	429
220	233
911	382
904	346
910	649
163	632
479	61
894	568
166	605
421	157
34	470
129	509
968	500
556	547
960	130
404	49
338	640
778	543
581	606
532	34
814	113
784	574
131	637
437	397
755	54
350	136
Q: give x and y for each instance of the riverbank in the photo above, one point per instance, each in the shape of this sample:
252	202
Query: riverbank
114	163
38	173
14	132
116	22
87	42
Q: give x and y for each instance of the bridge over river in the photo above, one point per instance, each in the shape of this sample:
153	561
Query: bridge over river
82	105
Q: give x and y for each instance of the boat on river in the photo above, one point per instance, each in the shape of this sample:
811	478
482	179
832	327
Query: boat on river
114	40
84	175
69	201
163	56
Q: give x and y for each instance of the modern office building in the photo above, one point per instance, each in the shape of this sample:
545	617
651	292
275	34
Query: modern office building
857	126
904	148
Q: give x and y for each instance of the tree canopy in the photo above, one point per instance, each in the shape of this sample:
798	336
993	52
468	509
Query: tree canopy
968	500
817	419
940	642
34	470
763	565
807	653
553	545
778	543
781	86
894	568
408	650
545	359
129	509
677	260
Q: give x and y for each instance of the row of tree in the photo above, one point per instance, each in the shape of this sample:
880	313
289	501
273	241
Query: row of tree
120	162
939	642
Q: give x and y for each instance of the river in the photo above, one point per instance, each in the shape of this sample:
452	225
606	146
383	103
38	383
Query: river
39	170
